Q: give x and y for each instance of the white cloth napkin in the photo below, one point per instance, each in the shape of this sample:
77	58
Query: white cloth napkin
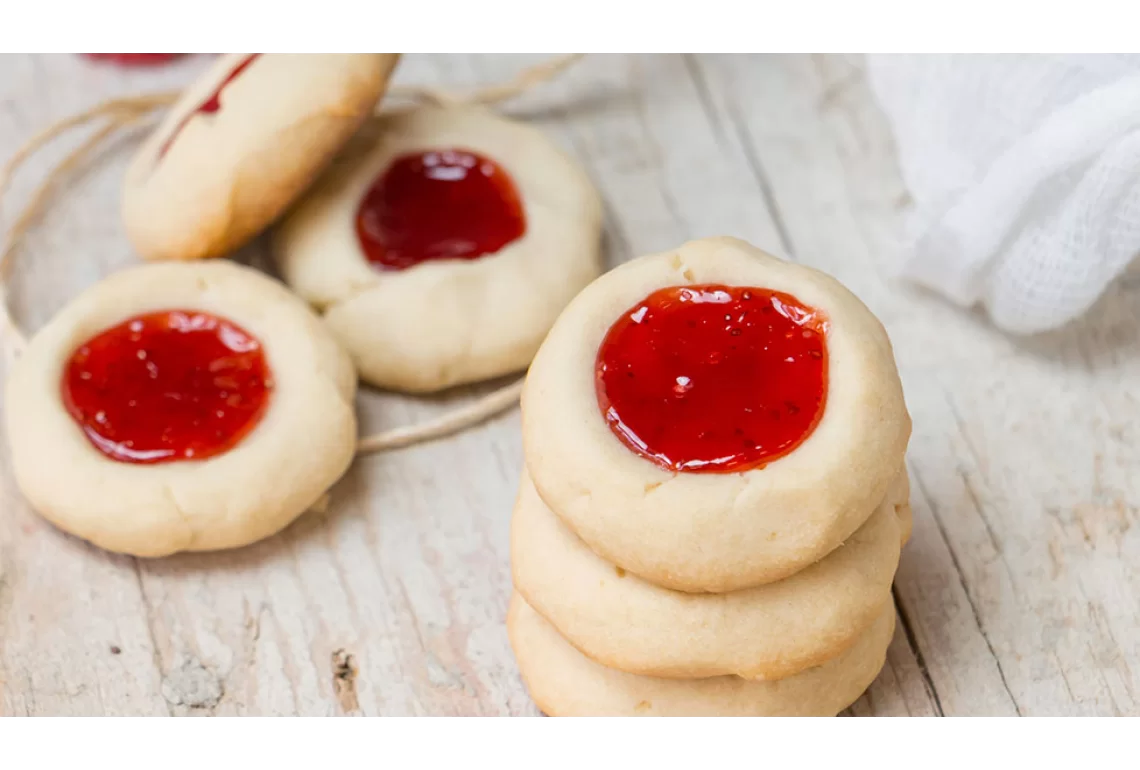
1025	174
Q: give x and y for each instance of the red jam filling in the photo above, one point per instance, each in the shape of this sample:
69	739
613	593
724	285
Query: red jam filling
714	379
438	204
165	386
135	59
212	103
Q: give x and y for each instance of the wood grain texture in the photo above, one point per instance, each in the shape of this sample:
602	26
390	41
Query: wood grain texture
1018	593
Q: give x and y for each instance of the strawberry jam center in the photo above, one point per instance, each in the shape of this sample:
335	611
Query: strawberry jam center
135	59
714	379
165	386
211	104
438	204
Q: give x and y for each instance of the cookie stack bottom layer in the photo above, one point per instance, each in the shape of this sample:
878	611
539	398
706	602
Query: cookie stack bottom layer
593	639
564	682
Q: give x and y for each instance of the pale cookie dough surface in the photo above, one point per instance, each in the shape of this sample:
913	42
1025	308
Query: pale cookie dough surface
228	174
714	532
564	682
302	445
444	322
768	632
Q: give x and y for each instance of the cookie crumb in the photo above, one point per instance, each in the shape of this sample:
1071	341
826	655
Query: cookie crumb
620	571
344	680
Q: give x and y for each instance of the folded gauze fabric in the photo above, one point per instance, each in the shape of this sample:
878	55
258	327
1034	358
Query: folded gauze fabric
1025	174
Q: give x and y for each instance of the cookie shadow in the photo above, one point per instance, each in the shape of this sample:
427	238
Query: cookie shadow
1104	335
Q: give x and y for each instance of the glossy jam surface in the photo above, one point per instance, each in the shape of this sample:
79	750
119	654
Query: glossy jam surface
438	204
135	59
714	379
165	386
211	104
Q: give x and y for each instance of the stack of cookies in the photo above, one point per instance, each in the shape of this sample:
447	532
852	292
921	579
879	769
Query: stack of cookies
715	496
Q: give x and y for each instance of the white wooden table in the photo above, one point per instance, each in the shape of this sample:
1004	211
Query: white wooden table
1019	593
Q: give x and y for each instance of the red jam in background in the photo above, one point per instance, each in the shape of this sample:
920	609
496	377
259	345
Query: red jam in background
438	204
714	379
135	59
212	103
172	385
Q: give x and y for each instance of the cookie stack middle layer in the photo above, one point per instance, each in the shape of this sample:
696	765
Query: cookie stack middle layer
643	590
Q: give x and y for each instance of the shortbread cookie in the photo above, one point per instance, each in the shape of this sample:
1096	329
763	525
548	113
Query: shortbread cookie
180	407
768	632
653	424
241	144
564	682
442	245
